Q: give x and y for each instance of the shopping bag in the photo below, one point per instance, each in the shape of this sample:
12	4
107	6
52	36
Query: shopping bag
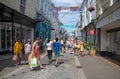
14	58
33	62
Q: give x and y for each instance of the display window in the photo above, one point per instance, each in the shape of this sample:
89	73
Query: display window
113	41
6	36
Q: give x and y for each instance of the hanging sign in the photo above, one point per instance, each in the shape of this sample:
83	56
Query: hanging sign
91	32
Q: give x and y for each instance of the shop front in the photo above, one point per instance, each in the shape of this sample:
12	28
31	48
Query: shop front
108	32
14	25
89	32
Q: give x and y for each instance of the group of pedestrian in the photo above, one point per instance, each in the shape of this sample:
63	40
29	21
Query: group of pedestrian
58	46
53	46
75	47
32	51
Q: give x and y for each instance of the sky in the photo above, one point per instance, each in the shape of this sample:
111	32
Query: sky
68	17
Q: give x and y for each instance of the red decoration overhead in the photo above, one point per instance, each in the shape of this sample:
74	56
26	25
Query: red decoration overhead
72	8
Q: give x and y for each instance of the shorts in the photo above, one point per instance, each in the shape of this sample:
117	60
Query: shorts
78	49
57	54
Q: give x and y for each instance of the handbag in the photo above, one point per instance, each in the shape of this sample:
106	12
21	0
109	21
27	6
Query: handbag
14	58
33	62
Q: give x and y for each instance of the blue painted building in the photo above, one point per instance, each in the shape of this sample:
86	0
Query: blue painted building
43	27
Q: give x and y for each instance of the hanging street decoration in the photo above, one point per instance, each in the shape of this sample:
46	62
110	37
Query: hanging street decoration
72	8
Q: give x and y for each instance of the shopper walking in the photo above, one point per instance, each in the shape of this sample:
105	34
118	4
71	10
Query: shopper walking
44	45
70	45
82	49
56	46
18	51
78	47
49	47
27	50
61	47
35	52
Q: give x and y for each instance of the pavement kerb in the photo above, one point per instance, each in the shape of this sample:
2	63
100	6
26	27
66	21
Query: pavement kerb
18	69
77	62
80	72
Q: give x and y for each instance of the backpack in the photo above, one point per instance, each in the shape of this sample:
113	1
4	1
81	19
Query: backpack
70	45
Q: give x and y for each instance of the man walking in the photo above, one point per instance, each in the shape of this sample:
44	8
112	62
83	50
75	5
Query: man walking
56	46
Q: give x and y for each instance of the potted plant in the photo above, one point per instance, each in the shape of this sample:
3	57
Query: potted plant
90	47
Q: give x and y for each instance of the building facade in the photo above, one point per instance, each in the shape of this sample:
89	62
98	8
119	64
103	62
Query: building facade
55	24
43	16
48	23
88	16
17	20
108	26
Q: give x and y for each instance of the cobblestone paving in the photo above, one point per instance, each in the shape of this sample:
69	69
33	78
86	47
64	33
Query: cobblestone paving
66	70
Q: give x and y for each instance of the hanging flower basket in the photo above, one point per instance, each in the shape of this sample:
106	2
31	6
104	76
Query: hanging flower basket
91	9
39	20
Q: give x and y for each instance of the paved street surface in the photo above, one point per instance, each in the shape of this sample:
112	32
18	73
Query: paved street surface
6	64
66	70
70	67
96	67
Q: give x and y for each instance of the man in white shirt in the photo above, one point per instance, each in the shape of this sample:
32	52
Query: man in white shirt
49	47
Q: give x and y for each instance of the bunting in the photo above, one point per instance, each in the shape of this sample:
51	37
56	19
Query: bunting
72	8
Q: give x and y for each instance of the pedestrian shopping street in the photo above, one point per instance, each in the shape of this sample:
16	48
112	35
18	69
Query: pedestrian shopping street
70	67
59	39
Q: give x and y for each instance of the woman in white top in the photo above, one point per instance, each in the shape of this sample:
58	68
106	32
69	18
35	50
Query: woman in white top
27	50
49	47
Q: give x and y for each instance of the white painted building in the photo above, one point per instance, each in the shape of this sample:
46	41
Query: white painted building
88	15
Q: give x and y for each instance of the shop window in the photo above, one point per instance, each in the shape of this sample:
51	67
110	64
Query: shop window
3	38
22	6
114	1
118	40
113	41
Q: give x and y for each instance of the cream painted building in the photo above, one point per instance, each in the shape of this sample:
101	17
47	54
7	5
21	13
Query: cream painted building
108	26
17	20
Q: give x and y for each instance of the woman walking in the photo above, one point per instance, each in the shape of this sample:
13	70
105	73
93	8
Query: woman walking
82	48
18	51
27	50
35	52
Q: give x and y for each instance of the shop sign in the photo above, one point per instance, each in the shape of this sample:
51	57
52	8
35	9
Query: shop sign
110	18
91	32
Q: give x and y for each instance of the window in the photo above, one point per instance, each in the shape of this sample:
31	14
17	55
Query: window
118	40
102	2
114	1
22	6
